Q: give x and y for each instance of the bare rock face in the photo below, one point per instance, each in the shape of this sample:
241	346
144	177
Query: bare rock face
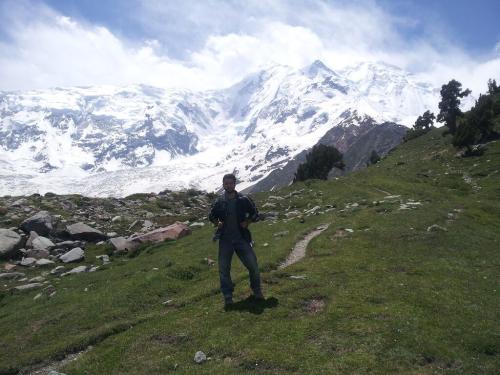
172	232
81	231
42	223
10	242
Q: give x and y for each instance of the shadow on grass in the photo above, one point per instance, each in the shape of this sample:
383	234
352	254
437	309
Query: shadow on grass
253	305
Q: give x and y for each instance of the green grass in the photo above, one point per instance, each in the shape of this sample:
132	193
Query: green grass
393	297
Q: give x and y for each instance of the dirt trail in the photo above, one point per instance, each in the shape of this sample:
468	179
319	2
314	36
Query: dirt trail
299	250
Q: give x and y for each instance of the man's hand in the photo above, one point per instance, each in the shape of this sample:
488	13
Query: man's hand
220	224
244	224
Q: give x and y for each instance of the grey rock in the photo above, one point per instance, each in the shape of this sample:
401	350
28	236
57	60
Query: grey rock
75	270
93	269
116	219
38	254
42	243
26	262
53	372
11	275
19	202
436	228
73	255
44	262
104	258
122	244
28	286
58	270
10	242
81	231
112	234
37	279
42	223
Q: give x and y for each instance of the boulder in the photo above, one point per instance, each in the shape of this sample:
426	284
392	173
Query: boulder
42	243
73	255
26	262
81	231
10	242
11	275
69	244
123	245
171	232
42	223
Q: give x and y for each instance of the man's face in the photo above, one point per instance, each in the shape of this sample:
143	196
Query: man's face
228	185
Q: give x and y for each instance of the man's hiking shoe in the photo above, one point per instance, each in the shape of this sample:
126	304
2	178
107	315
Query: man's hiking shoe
259	296
228	302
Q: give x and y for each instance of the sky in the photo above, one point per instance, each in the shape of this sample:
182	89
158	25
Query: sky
212	44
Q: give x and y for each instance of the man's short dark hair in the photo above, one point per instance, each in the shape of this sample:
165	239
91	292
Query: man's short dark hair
229	176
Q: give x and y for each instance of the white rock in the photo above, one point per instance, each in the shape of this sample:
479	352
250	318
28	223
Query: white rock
58	270
200	357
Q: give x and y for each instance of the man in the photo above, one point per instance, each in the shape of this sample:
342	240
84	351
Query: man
232	213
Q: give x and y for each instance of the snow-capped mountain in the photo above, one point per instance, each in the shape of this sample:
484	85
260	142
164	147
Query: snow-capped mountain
116	141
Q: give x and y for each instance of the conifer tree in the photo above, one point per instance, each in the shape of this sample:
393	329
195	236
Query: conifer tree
319	161
450	104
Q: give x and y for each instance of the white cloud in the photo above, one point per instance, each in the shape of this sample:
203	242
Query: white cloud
46	49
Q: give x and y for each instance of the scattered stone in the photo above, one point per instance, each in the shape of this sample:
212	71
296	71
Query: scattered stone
197	225
81	231
435	228
147	226
293	213
93	269
9	266
200	357
149	215
26	262
269	205
265	244
42	223
349	230
75	270
209	261
11	275
275	197
298	277
53	372
58	270
19	202
28	286
110	235
39	295
281	234
10	242
104	258
37	279
73	255
38	254
313	210
116	219
44	262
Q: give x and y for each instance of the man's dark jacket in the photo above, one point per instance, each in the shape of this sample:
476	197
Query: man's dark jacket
245	210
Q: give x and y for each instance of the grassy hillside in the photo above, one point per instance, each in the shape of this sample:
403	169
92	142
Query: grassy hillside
406	284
